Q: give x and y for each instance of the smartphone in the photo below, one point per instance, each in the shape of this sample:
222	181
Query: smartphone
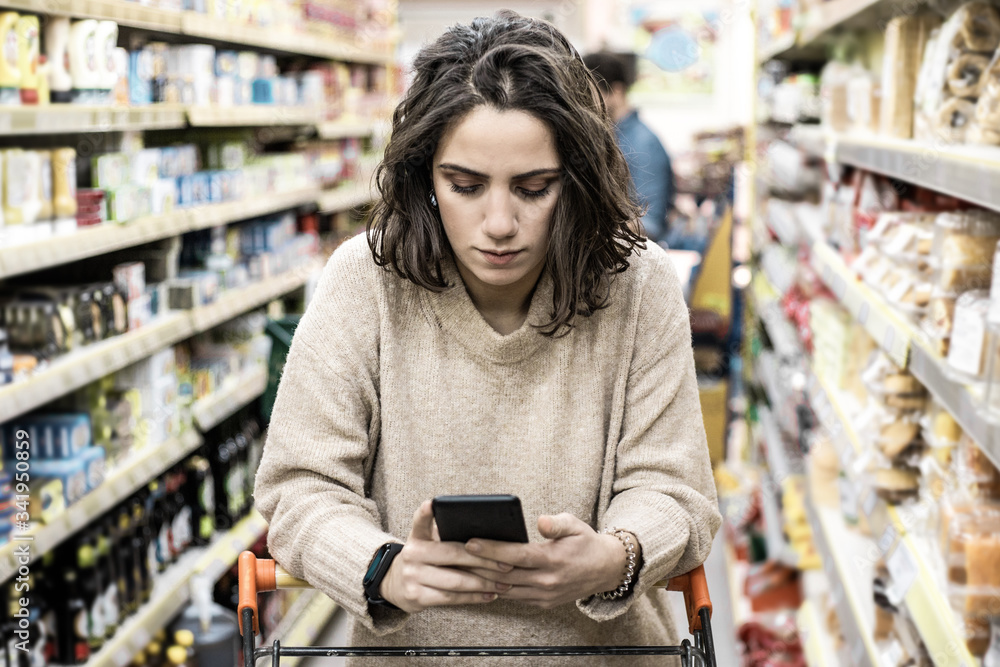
461	518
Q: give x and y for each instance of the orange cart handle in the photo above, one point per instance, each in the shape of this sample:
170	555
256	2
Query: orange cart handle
694	586
258	575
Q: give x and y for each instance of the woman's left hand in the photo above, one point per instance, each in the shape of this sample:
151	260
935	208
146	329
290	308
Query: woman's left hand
574	562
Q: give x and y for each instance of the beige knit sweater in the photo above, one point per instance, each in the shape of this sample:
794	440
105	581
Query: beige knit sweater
393	394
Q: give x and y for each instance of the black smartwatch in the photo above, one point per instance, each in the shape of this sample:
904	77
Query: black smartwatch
377	570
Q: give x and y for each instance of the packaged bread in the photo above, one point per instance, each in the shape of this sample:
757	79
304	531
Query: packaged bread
906	38
899	435
967	354
976	631
963	248
951	76
896	485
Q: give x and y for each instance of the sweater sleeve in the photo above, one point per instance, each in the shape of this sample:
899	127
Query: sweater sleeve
320	443
663	490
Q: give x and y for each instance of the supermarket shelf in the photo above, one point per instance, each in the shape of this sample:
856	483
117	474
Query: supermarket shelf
966	172
172	591
250	115
812	139
777	48
309	625
289	41
70	118
344	129
125	13
101	239
892	333
93	362
928	367
238	301
828	16
817	642
236	391
347	197
849	579
909	565
118	486
194	24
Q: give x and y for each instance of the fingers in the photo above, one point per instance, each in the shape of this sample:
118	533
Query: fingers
517	577
423	523
453	554
450	580
553	527
514	553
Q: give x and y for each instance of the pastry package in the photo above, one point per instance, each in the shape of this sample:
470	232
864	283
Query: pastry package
967	353
963	249
953	73
991	398
906	38
939	319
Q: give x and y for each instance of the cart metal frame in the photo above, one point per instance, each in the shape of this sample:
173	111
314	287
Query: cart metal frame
260	575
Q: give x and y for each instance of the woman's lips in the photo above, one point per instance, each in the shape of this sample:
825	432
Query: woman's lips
500	259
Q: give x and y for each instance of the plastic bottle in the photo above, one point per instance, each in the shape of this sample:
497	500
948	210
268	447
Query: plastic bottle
57	53
15	184
216	630
106	39
33	182
83	63
27	57
64	182
44	185
10	75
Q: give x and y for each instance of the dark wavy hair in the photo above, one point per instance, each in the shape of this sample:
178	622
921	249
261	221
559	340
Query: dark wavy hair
510	62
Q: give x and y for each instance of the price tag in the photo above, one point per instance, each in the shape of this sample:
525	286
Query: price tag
863	313
888	338
868	505
904	570
122	656
887	540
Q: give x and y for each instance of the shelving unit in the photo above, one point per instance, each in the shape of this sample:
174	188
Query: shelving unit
118	486
343	129
93	362
819	651
252	115
850	582
236	391
71	118
203	26
172	591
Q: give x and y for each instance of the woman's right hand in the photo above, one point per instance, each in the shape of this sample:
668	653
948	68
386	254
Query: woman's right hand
432	573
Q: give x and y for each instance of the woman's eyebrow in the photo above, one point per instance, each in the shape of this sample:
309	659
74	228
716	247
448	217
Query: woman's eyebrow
473	172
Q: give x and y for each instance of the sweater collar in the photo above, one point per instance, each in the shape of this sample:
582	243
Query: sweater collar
457	314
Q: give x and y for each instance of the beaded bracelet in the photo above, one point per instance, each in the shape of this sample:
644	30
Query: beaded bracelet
626	540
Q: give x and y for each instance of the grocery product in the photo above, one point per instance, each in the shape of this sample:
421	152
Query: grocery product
964	243
10	74
27	57
906	38
57	30
970	337
83	61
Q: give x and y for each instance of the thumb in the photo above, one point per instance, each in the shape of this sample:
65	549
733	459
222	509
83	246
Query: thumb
553	527
423	523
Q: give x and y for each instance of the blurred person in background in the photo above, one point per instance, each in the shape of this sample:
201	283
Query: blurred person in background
648	161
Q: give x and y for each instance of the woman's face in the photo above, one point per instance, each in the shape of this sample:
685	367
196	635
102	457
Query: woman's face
496	178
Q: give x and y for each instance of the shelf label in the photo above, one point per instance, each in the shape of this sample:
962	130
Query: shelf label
887	540
863	313
904	570
868	505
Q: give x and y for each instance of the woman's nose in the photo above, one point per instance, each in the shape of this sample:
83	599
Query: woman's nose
501	218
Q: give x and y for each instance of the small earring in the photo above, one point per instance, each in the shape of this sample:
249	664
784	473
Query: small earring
434	199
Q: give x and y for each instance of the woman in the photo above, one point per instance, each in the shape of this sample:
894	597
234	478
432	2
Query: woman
501	329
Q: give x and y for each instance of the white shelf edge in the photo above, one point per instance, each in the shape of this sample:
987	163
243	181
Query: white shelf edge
118	486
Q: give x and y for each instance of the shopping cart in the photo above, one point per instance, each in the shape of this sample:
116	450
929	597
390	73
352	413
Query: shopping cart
260	575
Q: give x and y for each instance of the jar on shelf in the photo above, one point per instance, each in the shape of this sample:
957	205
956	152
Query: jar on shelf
963	248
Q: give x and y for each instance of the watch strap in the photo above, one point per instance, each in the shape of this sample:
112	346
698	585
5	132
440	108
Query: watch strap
377	570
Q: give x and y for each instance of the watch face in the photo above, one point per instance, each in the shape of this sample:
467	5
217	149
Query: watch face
376	561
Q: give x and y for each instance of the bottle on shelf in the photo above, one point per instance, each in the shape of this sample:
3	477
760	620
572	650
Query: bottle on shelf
27	57
222	473
10	75
143	549
200	497
63	181
83	66
107	566
129	575
57	54
71	616
159	546
92	589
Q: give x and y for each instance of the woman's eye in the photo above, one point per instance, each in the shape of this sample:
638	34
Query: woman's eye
534	193
464	190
